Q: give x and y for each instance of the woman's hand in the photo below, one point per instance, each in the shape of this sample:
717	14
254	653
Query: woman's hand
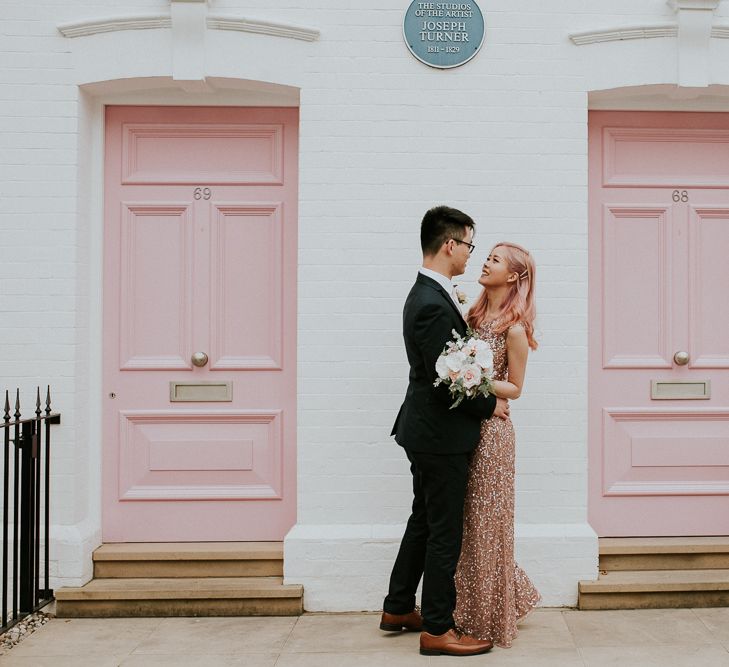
502	408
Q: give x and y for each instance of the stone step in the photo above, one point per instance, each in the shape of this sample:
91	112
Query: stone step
656	589
189	560
203	596
663	553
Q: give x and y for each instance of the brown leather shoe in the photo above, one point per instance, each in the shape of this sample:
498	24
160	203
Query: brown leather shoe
452	643
411	622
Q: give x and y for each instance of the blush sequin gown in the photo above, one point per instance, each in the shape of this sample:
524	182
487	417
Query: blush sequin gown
493	592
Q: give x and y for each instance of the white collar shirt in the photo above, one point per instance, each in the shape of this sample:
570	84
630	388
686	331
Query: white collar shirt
444	282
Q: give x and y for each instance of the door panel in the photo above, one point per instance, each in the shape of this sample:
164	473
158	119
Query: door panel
246	323
181	455
200	257
155	306
658	461
709	249
194	153
664	156
636	251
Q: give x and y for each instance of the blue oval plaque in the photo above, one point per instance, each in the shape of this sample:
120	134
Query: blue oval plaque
444	34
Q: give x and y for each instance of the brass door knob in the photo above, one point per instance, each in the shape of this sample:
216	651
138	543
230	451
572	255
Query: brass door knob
199	359
681	358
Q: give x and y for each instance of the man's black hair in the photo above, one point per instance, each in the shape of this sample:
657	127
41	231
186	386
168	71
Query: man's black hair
440	224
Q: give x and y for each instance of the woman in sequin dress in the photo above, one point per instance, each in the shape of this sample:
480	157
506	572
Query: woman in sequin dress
493	592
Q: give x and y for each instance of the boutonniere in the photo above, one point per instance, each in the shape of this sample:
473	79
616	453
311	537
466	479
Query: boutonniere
461	296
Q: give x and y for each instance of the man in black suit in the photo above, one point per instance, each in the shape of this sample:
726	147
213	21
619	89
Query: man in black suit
437	441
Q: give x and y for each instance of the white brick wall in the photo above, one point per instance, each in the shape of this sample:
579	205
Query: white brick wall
382	138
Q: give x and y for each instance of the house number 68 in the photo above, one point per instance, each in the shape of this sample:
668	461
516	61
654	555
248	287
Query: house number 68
680	195
202	193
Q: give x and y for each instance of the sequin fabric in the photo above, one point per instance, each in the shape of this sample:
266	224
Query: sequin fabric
493	592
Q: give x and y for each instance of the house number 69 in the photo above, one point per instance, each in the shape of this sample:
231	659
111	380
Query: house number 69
680	195
202	193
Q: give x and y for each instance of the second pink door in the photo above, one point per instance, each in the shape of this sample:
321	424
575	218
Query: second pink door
659	349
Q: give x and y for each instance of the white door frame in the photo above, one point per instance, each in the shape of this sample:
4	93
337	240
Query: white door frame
90	216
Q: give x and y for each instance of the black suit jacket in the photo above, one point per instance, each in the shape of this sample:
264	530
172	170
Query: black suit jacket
425	422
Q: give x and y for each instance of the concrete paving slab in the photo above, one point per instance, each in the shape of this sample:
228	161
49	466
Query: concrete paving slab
656	656
87	637
637	627
716	621
347	633
211	660
221	636
11	659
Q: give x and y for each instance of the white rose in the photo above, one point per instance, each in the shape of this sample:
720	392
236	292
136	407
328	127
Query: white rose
455	360
441	368
471	375
485	357
471	345
479	344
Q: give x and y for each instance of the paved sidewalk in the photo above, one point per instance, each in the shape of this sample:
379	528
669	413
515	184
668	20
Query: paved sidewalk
548	638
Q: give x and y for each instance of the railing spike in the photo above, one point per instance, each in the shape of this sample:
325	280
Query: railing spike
48	401
6	416
37	404
17	405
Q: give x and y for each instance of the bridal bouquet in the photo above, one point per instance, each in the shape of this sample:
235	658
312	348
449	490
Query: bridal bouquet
465	366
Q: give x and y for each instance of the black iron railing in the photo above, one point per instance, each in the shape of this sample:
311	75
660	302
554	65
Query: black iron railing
26	509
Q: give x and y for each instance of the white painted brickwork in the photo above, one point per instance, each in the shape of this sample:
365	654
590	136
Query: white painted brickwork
382	138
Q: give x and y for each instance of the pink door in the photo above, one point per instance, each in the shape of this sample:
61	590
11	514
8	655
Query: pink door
199	264
659	323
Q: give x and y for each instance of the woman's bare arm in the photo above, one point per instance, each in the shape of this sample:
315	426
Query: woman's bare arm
517	351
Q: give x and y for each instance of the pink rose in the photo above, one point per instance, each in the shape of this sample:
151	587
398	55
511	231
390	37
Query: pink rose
471	375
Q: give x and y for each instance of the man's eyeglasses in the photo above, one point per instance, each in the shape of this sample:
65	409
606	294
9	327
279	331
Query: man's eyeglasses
471	247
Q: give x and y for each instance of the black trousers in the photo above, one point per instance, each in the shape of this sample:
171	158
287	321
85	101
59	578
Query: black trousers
431	544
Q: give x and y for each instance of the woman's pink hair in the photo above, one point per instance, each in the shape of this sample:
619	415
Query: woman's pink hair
519	306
